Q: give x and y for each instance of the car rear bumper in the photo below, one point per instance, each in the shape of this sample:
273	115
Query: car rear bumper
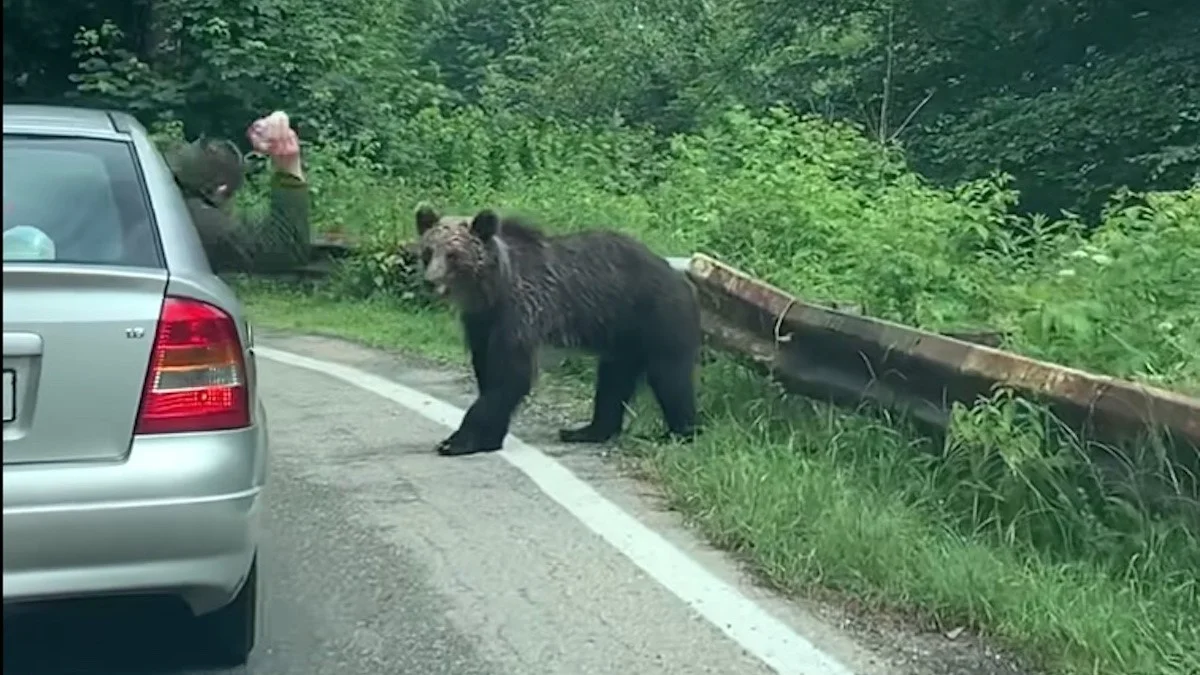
179	516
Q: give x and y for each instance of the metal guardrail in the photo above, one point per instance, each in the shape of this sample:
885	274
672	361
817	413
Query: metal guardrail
848	359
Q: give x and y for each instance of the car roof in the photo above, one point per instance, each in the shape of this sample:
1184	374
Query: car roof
56	120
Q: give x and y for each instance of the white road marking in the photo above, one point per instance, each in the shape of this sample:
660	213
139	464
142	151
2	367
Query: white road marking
770	640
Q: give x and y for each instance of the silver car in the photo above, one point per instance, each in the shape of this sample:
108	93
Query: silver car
135	443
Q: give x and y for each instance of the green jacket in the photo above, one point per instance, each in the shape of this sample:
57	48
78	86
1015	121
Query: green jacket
280	241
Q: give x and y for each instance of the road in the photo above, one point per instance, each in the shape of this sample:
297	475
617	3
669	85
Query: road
383	558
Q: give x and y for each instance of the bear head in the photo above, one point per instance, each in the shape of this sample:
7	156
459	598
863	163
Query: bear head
459	256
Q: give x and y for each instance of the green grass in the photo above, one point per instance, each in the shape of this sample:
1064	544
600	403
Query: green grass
815	499
373	323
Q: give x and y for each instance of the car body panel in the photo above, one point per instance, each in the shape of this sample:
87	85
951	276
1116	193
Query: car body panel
180	515
78	340
90	509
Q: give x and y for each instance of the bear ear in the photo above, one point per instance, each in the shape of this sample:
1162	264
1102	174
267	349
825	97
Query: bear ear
426	218
485	224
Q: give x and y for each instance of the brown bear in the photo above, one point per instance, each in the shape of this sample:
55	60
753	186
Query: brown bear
518	289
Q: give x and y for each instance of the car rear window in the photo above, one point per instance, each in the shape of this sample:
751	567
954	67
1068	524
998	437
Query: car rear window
76	200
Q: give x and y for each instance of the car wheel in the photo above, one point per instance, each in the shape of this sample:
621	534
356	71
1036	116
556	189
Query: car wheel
227	635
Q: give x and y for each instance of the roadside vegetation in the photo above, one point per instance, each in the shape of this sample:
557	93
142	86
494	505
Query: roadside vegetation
757	131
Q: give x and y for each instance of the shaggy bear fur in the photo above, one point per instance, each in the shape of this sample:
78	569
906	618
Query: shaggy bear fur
600	291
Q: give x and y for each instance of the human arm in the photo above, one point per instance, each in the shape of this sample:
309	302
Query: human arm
283	238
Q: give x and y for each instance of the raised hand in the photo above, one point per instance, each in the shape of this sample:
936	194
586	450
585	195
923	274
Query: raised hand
273	136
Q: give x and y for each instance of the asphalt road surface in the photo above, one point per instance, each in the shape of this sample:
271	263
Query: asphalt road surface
382	558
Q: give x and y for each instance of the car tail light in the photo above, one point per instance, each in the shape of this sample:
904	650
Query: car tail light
197	375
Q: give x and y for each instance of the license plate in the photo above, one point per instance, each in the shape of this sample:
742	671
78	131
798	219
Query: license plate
10	396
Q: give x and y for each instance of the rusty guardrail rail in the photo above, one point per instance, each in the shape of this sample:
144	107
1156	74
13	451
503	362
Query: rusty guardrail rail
848	359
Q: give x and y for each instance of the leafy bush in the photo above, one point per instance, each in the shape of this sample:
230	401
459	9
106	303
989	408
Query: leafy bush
819	209
383	266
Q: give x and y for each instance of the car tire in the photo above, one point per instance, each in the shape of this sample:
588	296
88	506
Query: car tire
227	636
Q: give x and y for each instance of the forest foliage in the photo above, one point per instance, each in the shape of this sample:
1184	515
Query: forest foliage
1073	97
979	163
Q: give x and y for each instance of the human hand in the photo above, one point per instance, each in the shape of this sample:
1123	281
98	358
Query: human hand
273	136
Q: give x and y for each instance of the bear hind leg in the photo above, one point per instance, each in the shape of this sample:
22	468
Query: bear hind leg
616	381
670	380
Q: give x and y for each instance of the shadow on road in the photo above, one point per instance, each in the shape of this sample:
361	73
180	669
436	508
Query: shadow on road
130	638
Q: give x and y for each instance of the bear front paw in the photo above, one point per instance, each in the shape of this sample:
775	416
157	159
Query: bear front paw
458	444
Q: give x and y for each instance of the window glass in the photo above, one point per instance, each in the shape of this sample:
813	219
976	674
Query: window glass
76	200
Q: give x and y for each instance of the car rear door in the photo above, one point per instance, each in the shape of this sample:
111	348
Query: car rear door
84	282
